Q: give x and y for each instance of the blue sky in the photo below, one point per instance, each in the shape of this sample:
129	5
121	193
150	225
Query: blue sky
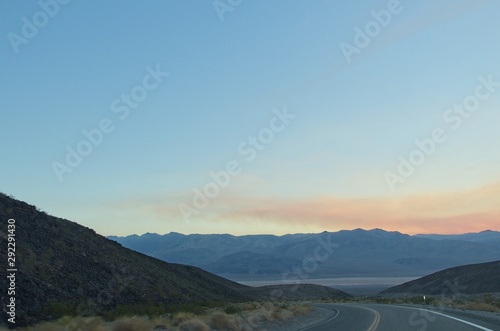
227	79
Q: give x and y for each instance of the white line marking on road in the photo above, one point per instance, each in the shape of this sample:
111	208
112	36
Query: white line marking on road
453	318
460	320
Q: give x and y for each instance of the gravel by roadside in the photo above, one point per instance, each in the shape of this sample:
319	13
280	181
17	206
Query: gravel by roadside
297	323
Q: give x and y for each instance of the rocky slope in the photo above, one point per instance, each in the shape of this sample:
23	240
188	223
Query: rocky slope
65	268
467	279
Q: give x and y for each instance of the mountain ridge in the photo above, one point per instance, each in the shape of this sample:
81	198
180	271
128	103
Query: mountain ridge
488	237
360	252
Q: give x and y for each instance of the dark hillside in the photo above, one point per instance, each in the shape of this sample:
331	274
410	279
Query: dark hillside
63	266
467	279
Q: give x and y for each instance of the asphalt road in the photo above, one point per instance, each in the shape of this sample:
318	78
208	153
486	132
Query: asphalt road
372	317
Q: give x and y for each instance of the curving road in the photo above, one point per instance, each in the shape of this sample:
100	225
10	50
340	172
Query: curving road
373	317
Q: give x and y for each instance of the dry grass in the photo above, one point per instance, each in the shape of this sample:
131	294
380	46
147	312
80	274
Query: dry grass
248	318
482	306
268	306
132	324
248	306
194	325
181	317
259	315
89	324
71	324
47	326
301	310
281	314
161	323
222	321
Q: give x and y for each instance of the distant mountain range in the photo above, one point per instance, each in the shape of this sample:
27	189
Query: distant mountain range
64	268
488	237
467	279
328	254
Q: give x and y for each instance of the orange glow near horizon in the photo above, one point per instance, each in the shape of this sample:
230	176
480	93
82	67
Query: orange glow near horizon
438	213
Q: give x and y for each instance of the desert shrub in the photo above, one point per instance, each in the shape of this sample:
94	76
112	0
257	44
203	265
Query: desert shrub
281	314
131	324
247	306
221	321
268	306
431	301
482	306
259	315
416	300
193	325
181	317
46	326
299	310
196	308
161	321
83	323
233	309
71	324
